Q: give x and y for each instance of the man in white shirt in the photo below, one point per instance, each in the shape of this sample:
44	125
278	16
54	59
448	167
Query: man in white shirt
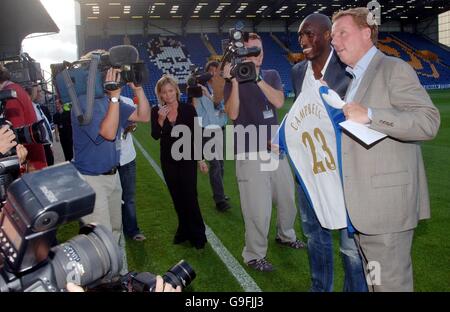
127	173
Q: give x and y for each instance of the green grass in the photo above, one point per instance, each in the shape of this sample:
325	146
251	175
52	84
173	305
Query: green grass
157	218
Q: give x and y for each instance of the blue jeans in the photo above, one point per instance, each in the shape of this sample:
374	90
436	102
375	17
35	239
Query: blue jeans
320	252
216	172
127	174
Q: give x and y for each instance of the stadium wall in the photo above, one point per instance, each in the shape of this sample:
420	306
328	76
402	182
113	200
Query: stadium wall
100	28
429	27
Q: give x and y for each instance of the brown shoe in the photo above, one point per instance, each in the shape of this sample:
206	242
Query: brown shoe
297	244
261	265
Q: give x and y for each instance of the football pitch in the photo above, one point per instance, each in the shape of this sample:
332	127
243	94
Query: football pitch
216	272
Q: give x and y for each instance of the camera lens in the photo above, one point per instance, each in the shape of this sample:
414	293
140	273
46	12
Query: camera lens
192	81
87	258
35	133
244	70
237	35
181	274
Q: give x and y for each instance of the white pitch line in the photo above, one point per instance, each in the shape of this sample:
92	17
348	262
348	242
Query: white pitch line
235	268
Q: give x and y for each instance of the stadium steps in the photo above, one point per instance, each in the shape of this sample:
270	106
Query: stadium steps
281	44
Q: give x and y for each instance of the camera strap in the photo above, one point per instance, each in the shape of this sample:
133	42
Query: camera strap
83	118
72	94
90	89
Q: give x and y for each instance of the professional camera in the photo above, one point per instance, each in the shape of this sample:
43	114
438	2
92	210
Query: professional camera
235	52
34	133
125	57
24	70
85	78
181	274
195	79
36	205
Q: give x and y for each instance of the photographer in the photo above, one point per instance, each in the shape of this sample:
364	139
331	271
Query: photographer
7	141
20	112
254	104
214	118
97	157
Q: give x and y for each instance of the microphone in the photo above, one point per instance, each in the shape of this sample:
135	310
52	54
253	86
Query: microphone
123	55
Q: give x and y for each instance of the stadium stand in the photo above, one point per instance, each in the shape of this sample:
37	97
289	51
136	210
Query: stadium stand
170	56
175	54
432	73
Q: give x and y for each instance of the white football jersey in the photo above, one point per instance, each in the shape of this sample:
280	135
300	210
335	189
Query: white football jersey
311	138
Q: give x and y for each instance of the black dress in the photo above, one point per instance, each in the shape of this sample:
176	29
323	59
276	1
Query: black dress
181	176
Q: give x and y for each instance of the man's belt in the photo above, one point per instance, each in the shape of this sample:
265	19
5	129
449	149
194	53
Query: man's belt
110	172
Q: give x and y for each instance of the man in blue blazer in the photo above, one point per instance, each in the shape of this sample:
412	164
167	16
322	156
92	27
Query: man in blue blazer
322	63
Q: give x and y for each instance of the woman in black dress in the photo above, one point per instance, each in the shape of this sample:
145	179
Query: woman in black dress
180	175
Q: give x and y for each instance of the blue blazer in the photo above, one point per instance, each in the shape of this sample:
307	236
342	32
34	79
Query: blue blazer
336	77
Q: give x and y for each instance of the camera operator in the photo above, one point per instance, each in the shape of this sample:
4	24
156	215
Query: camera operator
7	141
97	152
254	104
214	118
20	112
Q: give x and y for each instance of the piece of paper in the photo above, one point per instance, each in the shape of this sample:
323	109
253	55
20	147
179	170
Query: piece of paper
362	132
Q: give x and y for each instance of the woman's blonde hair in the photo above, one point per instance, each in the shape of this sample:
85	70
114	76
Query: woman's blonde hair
88	55
166	79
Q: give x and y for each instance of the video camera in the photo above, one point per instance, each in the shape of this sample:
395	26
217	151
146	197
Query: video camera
124	57
36	205
196	78
86	76
24	70
235	52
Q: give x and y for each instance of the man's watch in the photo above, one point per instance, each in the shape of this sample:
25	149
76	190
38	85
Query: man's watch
113	99
258	78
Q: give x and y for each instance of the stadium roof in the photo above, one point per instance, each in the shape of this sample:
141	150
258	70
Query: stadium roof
408	11
16	23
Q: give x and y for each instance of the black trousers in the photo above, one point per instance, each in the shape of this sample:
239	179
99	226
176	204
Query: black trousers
67	146
49	155
181	179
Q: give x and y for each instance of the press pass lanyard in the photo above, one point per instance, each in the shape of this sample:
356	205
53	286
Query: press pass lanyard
268	112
